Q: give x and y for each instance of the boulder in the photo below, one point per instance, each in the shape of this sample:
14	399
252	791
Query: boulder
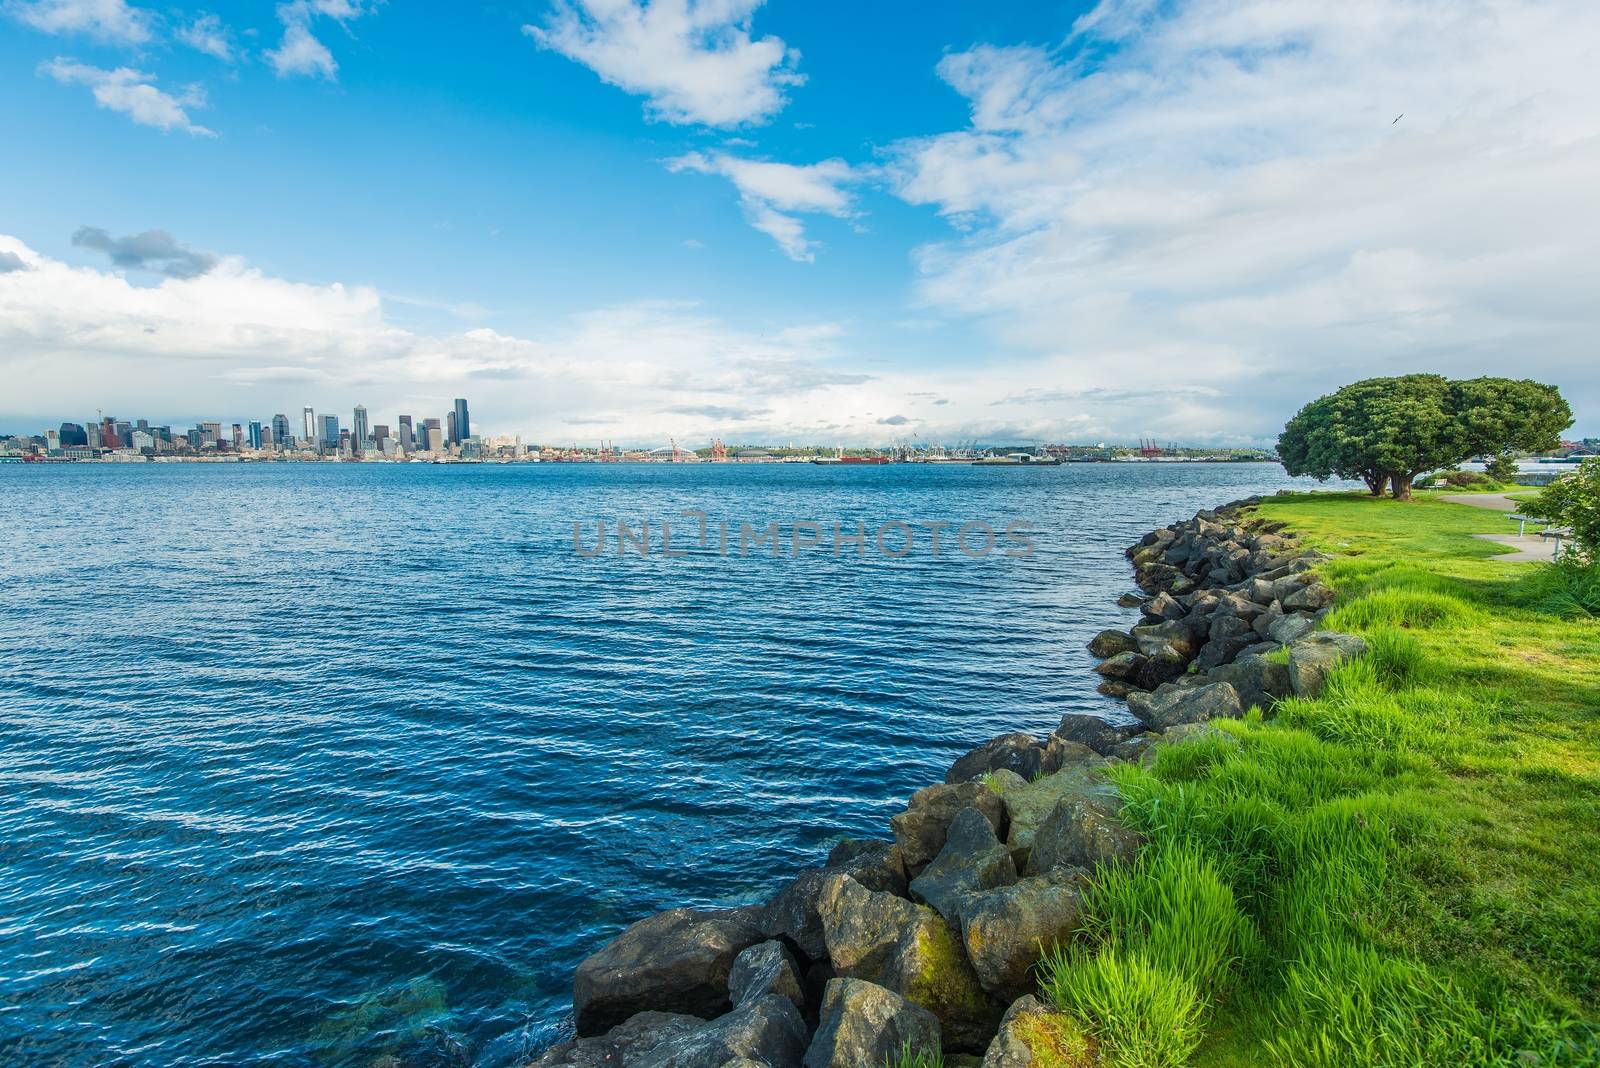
1184	732
1018	751
1286	629
864	1025
1130	600
1092	731
791	914
1177	634
767	1030
1258	681
1083	832
1163	606
1121	666
1113	688
676	962
1109	643
626	1044
765	968
1033	1035
1312	657
1029	807
1060	753
1229	626
1163	667
1309	598
1219	651
911	950
1170	705
972	859
1139	749
1007	929
920	830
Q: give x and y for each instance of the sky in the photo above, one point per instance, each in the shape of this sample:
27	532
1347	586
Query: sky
797	220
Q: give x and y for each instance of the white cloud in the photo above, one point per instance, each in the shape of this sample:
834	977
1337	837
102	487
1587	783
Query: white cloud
301	52
1214	195
694	60
207	34
770	192
133	93
106	20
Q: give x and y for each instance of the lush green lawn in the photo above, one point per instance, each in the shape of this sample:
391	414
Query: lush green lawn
1405	871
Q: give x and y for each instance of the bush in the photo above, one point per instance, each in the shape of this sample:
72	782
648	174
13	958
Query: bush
1574	501
1502	468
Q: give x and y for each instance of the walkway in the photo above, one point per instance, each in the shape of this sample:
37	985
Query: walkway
1529	547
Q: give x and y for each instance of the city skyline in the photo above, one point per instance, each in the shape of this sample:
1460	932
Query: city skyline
784	220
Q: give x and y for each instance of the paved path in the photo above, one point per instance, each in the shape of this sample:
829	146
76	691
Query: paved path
1528	547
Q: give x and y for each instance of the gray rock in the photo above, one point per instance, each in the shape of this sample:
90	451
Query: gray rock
1165	666
863	1025
1029	807
972	859
1060	753
1017	751
1082	832
767	1030
1229	626
1006	930
676	962
1219	651
1130	600
920	830
1152	638
1109	643
1258	681
791	914
1184	732
765	968
1121	666
623	1045
1092	731
911	950
1033	1035
1171	705
1312	657
1163	606
1309	598
1114	688
1136	750
1286	629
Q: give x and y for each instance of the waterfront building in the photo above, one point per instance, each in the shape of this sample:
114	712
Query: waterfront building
280	430
91	435
143	440
358	427
407	434
308	425
380	433
267	438
52	441
435	436
108	433
238	436
255	434
463	425
450	429
72	434
124	432
211	435
330	431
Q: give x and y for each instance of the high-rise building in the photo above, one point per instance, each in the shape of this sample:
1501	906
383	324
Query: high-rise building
280	430
450	428
463	429
91	435
268	438
108	433
255	434
238	436
435	436
73	434
308	423
407	434
358	427
330	431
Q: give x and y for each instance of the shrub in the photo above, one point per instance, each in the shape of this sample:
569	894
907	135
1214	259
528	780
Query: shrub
1574	501
1569	589
1502	468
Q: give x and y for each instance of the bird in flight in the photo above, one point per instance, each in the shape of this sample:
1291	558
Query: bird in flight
1398	117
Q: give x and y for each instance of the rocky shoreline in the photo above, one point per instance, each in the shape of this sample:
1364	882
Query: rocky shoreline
929	941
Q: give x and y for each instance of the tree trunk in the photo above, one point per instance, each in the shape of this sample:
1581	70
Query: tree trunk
1402	486
1375	481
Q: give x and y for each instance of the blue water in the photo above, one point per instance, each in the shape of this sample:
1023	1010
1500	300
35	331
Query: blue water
318	763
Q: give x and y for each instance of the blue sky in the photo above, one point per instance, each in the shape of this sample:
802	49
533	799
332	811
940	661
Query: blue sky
789	220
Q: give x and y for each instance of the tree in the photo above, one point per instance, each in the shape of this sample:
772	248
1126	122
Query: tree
1502	468
1387	431
1573	501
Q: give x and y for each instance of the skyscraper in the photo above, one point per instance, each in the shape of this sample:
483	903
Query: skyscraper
463	424
309	422
407	436
255	434
450	436
280	430
238	436
330	431
358	428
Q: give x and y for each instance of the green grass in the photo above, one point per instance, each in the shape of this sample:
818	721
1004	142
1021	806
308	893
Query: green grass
909	1057
1402	871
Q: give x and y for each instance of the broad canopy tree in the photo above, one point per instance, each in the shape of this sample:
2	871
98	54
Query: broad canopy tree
1387	431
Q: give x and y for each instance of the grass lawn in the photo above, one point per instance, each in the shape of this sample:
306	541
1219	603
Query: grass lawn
1404	871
